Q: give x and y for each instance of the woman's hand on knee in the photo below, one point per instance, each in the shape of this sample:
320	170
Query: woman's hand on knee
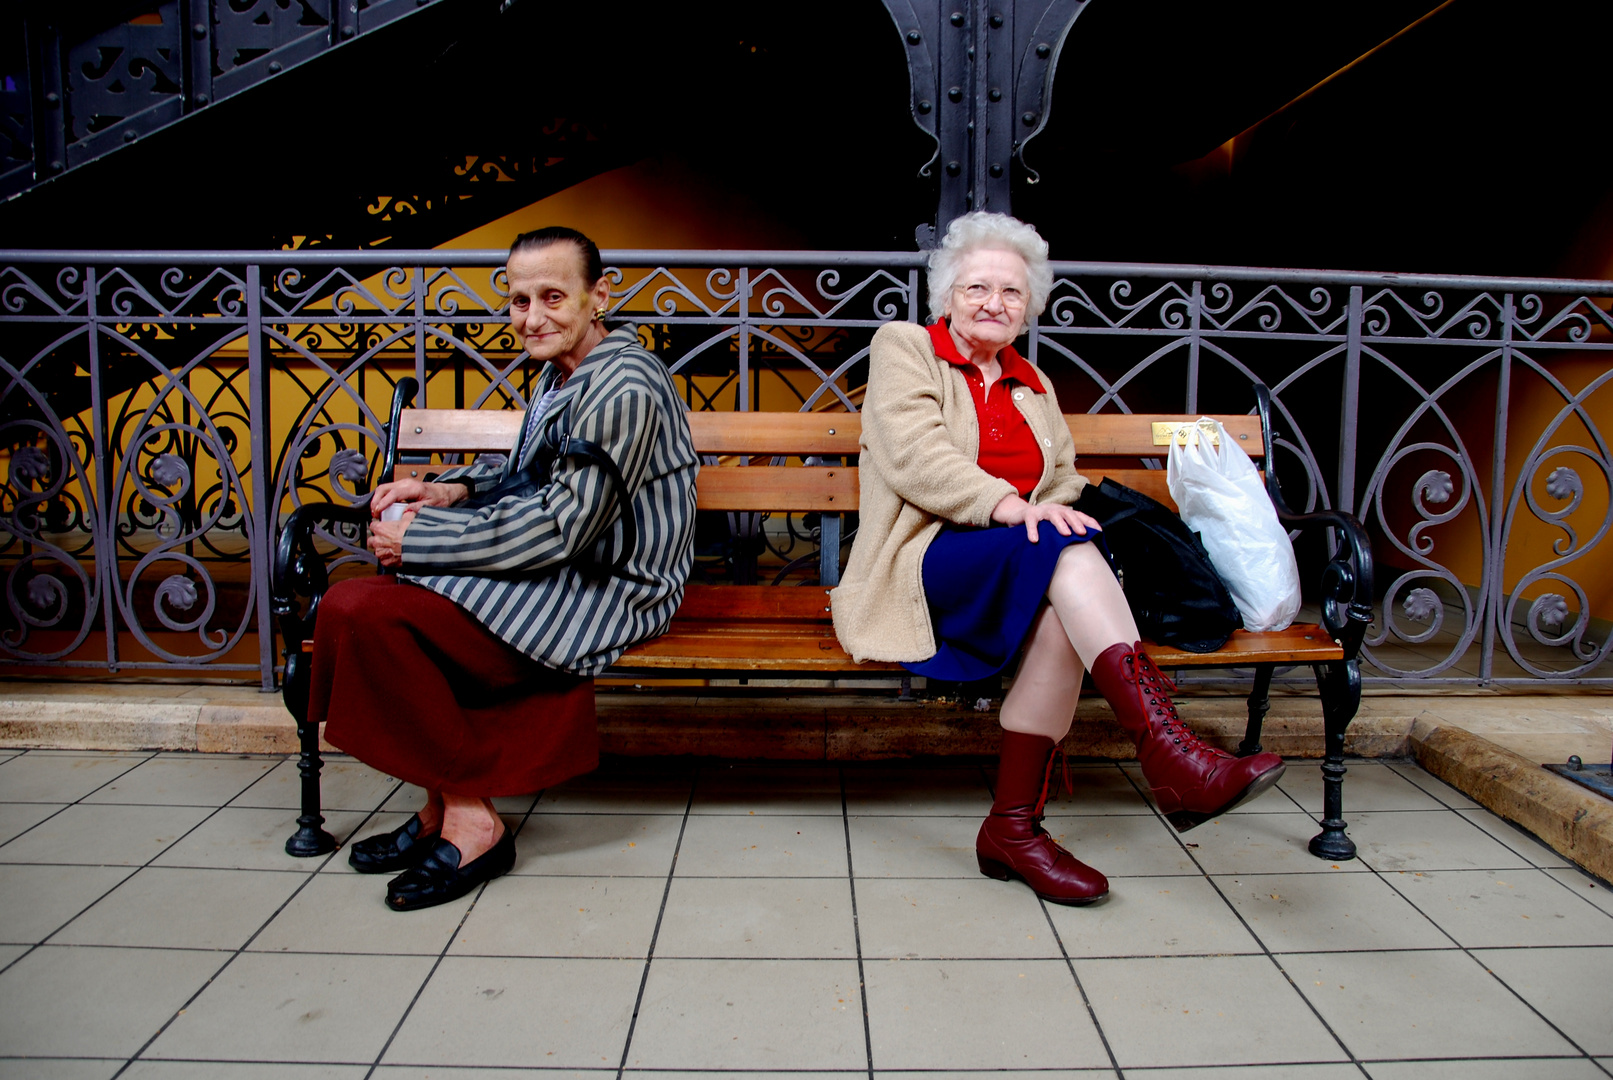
1014	510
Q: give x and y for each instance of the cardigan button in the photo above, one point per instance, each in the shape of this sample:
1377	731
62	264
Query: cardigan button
1019	395
1047	442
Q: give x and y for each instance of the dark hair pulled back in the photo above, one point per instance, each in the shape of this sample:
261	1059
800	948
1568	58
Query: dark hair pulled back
593	266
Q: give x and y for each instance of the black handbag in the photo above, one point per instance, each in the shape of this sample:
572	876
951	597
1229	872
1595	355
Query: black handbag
1170	584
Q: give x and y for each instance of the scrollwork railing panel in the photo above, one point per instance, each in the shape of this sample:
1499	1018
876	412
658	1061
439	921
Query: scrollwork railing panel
162	413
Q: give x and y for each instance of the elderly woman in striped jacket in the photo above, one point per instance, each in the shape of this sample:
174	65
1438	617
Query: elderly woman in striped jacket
469	672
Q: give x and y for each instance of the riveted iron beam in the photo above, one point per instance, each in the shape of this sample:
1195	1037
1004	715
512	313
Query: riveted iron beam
981	73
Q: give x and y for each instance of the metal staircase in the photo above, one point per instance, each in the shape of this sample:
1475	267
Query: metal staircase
80	81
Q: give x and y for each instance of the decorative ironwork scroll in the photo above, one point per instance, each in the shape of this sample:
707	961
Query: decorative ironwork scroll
162	413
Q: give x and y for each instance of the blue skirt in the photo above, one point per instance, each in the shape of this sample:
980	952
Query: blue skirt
984	588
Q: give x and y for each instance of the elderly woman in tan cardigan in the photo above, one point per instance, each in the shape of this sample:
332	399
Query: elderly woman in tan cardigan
969	554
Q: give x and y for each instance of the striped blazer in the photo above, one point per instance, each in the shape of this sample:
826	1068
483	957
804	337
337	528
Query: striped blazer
526	568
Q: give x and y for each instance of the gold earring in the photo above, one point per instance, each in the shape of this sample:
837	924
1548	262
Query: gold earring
599	314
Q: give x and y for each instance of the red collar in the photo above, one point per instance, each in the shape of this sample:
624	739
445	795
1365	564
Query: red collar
1014	366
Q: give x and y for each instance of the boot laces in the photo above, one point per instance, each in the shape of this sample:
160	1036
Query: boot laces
1154	690
1047	782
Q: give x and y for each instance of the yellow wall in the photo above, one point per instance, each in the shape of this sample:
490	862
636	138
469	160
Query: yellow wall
651	204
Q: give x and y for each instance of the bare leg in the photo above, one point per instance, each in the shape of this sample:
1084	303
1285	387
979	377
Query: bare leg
430	815
1089	603
1042	699
470	824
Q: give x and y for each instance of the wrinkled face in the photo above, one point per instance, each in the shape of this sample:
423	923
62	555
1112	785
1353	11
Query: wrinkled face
989	298
551	305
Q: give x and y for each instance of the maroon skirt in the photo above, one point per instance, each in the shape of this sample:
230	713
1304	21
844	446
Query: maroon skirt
409	682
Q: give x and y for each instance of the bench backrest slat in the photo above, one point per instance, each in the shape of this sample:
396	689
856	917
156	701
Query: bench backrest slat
832	489
793	434
1115	435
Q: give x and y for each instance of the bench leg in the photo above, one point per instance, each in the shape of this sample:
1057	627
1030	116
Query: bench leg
1339	683
1259	705
309	839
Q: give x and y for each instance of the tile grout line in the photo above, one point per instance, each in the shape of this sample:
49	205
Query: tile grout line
1457	946
856	928
1069	965
1270	957
660	915
437	963
235	954
1468	952
154	755
62	809
1465	950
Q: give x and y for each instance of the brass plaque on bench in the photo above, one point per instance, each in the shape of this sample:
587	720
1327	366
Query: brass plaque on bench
1185	433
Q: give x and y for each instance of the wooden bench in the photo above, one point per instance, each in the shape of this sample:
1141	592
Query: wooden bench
753	630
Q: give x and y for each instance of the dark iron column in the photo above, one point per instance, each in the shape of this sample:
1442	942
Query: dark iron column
982	77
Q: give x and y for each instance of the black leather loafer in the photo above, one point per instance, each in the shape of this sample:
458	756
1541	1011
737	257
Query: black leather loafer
440	878
389	852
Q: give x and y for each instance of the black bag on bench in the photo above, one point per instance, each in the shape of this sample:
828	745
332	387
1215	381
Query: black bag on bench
1172	587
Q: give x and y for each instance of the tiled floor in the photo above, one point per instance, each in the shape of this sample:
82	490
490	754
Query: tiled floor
673	919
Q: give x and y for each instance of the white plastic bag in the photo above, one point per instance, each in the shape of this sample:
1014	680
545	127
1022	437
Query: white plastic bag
1219	495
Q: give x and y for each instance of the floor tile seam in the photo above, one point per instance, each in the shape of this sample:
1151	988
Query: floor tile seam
1431	794
186	1004
148	864
63	807
1468	814
408	1009
1469	953
1080	988
856	931
609	813
610	877
1541	870
1069	964
1365	861
1384	878
655	933
1481	1057
241	950
1270	957
1527	1003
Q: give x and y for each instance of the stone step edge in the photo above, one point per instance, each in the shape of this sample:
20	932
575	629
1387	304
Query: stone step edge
1572	820
789	728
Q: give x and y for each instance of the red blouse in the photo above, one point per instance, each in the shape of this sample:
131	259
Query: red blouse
1008	448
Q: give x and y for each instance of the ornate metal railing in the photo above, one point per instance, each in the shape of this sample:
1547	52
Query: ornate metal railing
160	414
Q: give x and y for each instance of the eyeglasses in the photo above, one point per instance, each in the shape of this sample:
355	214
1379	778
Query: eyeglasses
979	292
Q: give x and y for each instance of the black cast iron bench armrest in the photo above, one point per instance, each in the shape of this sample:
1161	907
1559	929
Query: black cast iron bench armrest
300	573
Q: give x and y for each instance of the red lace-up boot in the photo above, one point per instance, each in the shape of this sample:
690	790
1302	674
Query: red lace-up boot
1191	780
1012	842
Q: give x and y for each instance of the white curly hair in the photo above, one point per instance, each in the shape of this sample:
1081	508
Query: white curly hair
982	229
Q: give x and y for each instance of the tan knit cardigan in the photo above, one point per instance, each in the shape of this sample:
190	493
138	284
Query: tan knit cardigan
920	439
